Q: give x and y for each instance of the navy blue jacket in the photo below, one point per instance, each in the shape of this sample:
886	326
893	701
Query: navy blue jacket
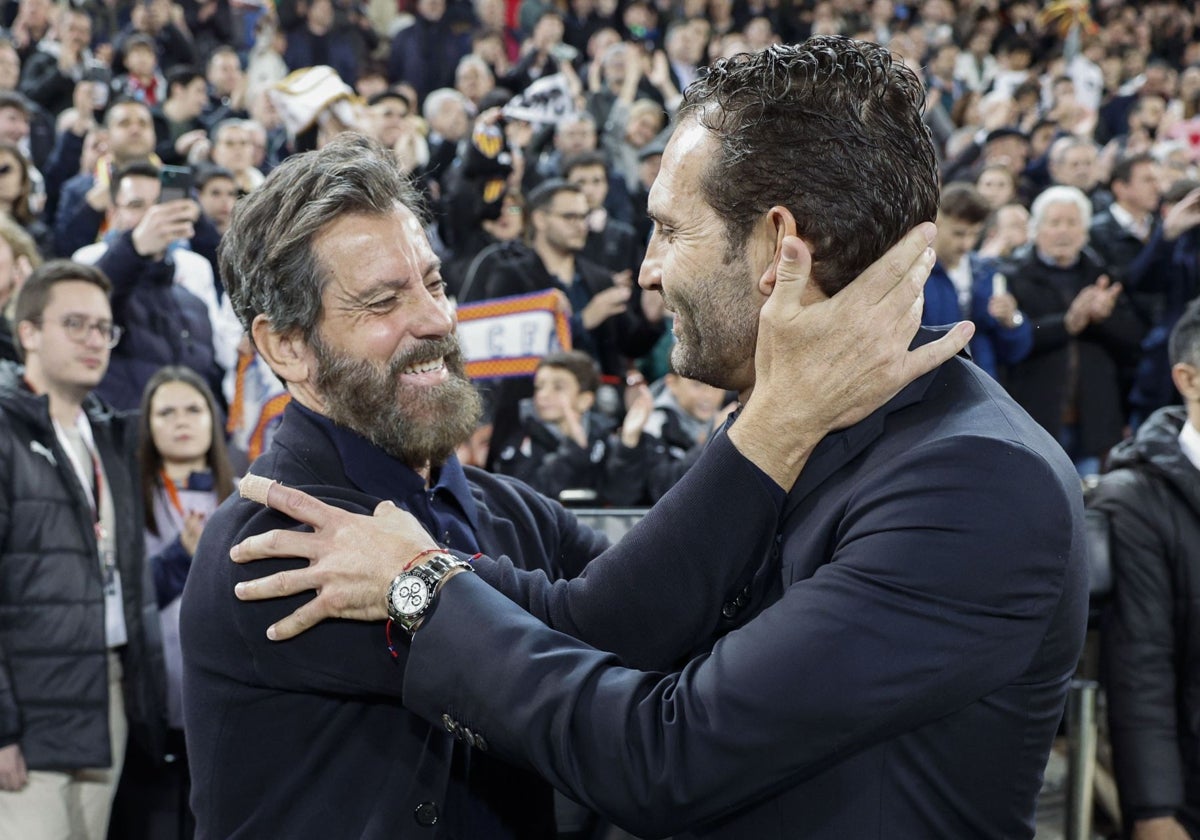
164	324
897	668
993	344
307	738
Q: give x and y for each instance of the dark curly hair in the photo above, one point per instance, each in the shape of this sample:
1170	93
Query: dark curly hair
830	129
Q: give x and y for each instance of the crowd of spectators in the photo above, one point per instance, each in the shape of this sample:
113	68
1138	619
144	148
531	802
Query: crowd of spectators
1068	136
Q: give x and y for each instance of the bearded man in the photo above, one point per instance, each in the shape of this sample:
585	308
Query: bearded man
330	271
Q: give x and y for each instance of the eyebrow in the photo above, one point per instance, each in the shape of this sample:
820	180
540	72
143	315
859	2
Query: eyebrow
396	284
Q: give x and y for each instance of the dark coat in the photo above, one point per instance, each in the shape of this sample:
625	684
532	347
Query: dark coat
269	724
1152	631
1106	351
550	463
426	54
1128	260
513	268
53	682
164	324
924	590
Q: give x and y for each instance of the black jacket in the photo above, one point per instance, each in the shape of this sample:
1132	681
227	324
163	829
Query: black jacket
1104	352
513	268
53	683
307	738
1152	632
550	463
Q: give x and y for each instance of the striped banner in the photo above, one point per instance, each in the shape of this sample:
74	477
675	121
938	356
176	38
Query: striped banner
508	336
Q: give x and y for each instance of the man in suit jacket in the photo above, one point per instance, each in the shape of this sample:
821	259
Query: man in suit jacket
894	659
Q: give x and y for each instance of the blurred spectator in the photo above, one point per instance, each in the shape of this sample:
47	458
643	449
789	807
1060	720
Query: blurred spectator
965	286
317	41
40	134
473	78
1006	230
233	149
227	87
142	79
216	192
185	473
997	184
1127	235
83	651
86	197
1084	332
177	124
49	75
1152	500
16	187
1074	162
684	415
164	297
1174	277
564	445
18	257
426	53
610	242
31	25
158	19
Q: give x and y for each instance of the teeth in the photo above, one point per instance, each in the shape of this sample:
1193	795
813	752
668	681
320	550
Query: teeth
425	367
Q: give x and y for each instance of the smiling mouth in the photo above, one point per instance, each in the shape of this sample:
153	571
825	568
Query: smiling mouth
425	367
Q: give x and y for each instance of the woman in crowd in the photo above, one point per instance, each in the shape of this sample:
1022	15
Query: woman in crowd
185	474
16	186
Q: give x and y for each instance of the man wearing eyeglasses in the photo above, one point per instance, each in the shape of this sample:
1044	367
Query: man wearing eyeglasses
79	640
610	321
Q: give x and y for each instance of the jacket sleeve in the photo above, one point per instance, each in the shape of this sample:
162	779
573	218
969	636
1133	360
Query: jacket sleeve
1140	651
925	607
170	568
10	711
686	538
76	223
44	83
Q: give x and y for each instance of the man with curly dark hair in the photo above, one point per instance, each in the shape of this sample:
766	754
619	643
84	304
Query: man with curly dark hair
890	654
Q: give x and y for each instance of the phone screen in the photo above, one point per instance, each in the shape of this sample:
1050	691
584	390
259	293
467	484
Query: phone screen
176	183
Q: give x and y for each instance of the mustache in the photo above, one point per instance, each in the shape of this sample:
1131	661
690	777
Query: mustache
446	348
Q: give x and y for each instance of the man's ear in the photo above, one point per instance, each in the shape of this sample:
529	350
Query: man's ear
1187	380
27	337
584	401
287	354
779	222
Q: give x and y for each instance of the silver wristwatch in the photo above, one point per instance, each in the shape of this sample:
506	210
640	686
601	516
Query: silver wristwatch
411	594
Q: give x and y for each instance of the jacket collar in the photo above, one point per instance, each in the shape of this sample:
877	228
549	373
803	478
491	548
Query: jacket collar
839	448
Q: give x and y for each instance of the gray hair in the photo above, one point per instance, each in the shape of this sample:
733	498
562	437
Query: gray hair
436	99
266	257
1058	195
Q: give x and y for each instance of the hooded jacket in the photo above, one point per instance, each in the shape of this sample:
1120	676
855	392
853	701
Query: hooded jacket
53	657
1152	632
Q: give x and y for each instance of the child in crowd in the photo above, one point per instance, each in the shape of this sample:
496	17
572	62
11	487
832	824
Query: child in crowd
564	448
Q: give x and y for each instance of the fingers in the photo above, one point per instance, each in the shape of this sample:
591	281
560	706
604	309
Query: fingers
278	585
295	503
293	625
895	266
276	543
925	358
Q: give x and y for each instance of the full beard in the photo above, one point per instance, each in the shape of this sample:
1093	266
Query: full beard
416	425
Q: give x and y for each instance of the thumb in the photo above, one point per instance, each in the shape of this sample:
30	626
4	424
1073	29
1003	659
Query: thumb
793	269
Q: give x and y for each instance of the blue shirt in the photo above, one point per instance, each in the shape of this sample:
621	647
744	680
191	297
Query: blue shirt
447	509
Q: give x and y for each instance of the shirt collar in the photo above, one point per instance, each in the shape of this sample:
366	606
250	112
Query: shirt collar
1138	227
1189	442
383	476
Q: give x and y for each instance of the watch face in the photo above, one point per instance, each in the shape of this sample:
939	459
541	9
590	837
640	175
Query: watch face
410	595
